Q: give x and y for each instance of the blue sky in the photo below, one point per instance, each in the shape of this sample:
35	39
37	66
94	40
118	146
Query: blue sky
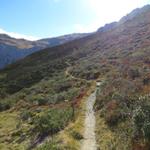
34	19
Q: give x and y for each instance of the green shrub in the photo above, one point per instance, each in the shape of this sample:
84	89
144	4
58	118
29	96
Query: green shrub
76	135
72	93
25	115
52	121
62	86
141	121
38	99
4	106
139	118
50	145
42	101
112	118
146	130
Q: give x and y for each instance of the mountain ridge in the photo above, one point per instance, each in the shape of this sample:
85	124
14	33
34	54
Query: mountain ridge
12	49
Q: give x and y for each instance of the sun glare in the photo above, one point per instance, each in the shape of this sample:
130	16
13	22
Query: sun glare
111	10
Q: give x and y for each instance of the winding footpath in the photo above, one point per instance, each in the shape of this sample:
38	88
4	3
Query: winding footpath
89	142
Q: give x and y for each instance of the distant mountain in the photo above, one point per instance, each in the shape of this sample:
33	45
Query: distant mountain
12	49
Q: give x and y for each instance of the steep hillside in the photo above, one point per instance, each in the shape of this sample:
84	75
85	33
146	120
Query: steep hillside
118	55
12	49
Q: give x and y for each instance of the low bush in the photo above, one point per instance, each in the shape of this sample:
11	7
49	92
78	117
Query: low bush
52	121
141	121
38	99
25	115
133	73
76	135
146	130
50	145
112	118
4	106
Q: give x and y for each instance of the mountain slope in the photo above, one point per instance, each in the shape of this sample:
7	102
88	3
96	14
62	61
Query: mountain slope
12	49
93	56
118	55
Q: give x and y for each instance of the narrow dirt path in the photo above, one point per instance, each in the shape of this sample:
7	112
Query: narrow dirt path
89	142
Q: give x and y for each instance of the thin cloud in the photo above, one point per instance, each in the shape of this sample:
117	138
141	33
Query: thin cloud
18	35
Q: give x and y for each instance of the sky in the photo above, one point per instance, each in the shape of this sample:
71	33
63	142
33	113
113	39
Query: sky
36	19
